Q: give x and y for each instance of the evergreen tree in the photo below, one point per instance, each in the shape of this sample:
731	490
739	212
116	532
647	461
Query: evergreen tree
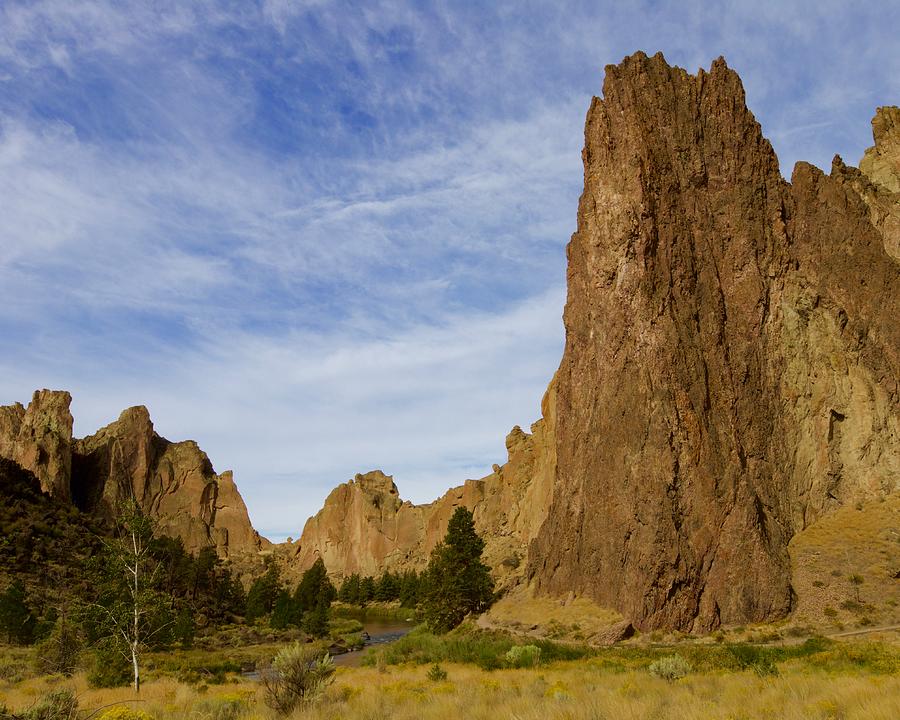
456	581
313	583
283	613
349	592
229	595
313	598
366	590
409	589
263	593
185	628
388	587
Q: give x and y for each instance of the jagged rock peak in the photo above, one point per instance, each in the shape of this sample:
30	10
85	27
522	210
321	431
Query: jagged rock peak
173	482
39	438
881	162
375	481
722	327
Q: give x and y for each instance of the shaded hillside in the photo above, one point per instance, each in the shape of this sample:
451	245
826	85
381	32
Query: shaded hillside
45	542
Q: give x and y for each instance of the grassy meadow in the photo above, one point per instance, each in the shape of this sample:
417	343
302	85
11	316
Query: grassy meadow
467	674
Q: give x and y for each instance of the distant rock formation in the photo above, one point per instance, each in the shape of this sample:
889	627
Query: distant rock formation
174	483
364	527
731	371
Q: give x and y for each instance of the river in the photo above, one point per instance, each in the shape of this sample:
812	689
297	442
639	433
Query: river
380	632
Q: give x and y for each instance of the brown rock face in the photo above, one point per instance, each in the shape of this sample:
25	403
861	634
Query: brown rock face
731	362
39	439
731	371
172	482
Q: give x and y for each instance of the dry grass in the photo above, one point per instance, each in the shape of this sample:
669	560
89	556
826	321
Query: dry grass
579	690
861	540
573	619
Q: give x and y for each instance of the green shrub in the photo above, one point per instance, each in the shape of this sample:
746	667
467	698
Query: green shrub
226	707
299	674
759	660
55	705
853	606
436	673
109	668
465	644
58	653
671	668
522	656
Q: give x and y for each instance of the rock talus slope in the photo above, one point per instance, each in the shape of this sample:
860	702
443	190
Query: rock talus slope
173	482
732	356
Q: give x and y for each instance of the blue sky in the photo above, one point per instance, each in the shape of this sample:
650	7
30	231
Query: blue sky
325	237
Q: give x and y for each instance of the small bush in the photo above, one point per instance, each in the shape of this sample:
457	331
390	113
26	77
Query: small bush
759	660
853	606
225	707
299	674
58	653
55	705
522	656
671	668
436	673
109	668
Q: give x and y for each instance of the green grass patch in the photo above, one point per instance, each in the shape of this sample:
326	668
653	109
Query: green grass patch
466	644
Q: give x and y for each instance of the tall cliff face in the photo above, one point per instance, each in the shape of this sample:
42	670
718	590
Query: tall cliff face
731	362
730	373
174	483
364	527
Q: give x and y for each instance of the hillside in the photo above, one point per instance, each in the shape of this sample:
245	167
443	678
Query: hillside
174	483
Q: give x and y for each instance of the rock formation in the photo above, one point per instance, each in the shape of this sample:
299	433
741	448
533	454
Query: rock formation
364	527
39	439
174	483
731	362
731	370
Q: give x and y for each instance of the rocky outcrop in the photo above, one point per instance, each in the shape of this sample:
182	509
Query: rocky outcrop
881	162
731	362
364	527
174	483
39	439
731	371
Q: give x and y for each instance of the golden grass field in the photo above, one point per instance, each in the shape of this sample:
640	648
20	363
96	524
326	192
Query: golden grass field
570	691
587	689
861	540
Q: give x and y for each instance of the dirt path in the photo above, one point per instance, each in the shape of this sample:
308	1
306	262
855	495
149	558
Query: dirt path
864	631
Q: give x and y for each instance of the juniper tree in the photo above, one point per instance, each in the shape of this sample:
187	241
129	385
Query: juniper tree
456	581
